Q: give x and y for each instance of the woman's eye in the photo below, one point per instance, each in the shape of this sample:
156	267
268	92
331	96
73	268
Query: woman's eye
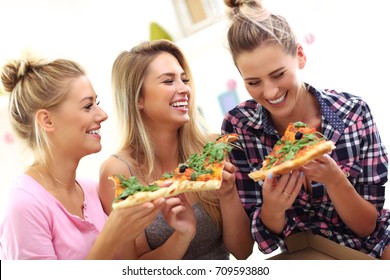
89	106
253	83
279	75
168	82
185	81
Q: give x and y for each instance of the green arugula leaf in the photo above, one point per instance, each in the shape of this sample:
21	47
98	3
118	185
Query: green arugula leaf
289	149
212	152
300	124
132	186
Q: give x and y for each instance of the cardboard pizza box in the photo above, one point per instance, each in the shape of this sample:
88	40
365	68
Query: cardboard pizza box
307	246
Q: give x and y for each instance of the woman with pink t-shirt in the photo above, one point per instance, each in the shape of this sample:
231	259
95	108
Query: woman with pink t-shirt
51	213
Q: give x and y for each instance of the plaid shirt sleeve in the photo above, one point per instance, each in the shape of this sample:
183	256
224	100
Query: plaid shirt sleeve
248	158
360	152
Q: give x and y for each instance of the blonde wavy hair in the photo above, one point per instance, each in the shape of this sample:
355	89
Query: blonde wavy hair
128	73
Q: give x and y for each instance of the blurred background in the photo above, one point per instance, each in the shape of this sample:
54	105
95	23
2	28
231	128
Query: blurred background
345	42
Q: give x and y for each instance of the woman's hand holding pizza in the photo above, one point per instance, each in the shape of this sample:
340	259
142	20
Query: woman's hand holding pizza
127	223
323	170
228	185
279	194
179	215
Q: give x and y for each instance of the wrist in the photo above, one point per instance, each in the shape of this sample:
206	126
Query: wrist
185	236
272	216
339	179
273	220
227	195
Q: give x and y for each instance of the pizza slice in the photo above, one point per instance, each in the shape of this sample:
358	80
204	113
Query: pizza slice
299	145
200	172
129	191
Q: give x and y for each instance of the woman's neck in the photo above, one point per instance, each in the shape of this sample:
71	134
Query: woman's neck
307	110
61	176
165	145
166	149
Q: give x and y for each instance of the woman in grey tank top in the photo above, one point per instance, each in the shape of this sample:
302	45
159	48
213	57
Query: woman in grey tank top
161	127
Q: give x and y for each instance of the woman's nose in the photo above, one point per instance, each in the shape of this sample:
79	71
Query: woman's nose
102	115
270	90
183	88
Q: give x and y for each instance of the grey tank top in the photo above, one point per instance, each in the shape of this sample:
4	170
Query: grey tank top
125	162
207	243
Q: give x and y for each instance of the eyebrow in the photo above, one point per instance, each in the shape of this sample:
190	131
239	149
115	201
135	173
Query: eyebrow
166	74
277	70
171	74
90	98
270	74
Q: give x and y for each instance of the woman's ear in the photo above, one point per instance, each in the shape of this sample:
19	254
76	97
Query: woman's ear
301	56
43	117
141	103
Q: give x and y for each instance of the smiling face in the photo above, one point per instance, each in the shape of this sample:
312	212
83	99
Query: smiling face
77	120
270	76
165	94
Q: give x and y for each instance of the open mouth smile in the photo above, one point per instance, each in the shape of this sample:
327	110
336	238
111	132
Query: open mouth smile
278	100
180	104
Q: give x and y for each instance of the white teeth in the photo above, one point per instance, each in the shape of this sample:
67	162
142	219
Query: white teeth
277	101
94	131
179	104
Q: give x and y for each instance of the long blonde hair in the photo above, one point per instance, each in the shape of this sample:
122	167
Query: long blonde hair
35	83
128	73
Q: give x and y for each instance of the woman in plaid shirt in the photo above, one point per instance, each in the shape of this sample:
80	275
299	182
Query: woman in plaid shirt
346	200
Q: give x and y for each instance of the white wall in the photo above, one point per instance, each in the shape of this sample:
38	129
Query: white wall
92	32
350	52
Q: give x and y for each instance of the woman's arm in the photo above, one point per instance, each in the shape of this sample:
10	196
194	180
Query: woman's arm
356	212
235	223
111	166
123	226
180	216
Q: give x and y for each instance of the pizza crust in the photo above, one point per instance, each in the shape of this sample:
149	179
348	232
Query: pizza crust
286	167
173	190
139	198
192	186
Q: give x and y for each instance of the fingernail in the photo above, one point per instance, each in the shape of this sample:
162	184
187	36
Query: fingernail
270	175
148	205
301	174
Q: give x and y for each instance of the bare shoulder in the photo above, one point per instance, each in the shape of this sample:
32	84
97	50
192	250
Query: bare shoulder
115	166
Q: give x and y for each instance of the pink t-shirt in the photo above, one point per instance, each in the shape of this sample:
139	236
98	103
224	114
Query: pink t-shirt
36	225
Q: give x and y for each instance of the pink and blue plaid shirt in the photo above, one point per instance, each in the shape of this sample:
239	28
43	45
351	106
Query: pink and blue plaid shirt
348	122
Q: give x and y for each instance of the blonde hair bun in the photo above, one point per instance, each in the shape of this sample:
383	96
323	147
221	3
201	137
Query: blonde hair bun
14	70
